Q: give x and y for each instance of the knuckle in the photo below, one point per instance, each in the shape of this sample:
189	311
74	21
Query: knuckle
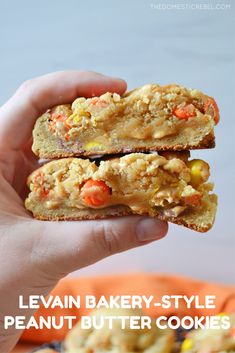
26	85
89	74
107	238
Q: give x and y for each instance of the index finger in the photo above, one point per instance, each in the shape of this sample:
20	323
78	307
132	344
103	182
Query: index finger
34	97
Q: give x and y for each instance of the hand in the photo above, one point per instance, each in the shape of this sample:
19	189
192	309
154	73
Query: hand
35	255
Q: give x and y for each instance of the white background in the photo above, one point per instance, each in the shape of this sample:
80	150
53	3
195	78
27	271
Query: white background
136	41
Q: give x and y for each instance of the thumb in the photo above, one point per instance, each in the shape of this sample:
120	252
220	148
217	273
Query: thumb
68	246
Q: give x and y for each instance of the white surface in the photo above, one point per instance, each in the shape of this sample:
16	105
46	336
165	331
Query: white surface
132	40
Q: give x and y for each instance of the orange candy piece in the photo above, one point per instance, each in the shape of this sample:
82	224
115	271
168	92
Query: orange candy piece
193	200
38	182
59	117
232	332
99	102
184	112
95	193
211	107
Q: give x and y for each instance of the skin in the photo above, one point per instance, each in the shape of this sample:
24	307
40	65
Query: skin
35	255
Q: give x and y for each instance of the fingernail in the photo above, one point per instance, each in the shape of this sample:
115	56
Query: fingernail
148	229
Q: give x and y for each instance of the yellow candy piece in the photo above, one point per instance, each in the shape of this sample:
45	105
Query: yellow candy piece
199	171
157	187
93	145
187	345
73	119
223	314
76	119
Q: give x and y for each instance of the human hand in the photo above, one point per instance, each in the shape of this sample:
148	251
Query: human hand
35	255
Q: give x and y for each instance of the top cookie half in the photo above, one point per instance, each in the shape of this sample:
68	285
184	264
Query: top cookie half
149	118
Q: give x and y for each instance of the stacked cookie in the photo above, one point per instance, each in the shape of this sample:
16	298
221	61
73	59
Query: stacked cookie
139	160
